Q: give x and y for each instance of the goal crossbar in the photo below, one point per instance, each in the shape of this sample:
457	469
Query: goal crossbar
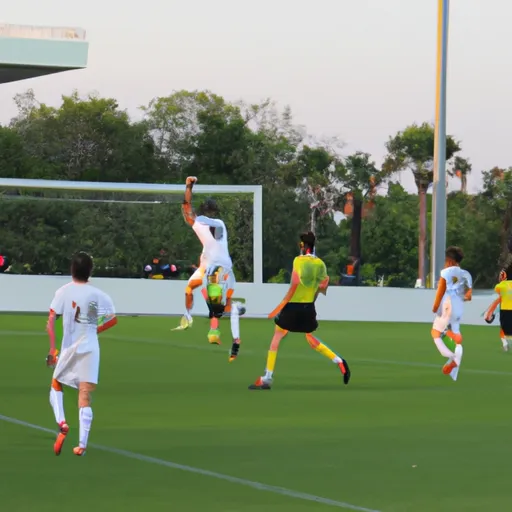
157	188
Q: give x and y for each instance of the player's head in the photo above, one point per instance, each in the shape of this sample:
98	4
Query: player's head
454	256
81	267
209	208
506	273
307	243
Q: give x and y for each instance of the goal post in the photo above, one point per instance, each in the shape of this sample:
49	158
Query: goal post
159	189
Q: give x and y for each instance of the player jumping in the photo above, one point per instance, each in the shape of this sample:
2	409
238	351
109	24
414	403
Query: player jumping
297	313
216	270
86	311
454	288
504	290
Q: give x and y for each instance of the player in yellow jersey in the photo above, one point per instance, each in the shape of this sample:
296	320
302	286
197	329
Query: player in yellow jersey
297	313
504	301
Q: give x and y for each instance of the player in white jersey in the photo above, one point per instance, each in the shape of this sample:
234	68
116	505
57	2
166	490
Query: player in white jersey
215	273
85	311
454	288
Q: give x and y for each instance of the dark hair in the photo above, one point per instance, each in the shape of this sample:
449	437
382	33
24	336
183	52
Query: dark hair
454	253
508	272
209	208
308	239
81	267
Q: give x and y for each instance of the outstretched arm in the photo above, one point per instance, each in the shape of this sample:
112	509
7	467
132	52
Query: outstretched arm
293	286
186	208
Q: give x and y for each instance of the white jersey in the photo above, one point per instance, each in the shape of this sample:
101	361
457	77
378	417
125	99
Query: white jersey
80	305
215	247
458	281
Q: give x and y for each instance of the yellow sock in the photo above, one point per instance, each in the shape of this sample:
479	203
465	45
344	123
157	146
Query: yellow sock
271	360
326	351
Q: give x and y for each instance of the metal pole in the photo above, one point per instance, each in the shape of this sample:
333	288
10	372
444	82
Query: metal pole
439	185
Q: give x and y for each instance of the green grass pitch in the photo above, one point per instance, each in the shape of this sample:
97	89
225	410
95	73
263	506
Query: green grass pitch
402	437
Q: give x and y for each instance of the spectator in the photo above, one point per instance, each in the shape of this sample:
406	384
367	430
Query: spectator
4	264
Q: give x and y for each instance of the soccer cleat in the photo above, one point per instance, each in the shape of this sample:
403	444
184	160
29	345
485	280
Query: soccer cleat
345	370
261	384
233	354
80	452
449	366
61	437
185	323
214	337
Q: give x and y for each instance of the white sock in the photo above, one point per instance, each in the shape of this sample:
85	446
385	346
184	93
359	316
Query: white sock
458	354
85	416
443	349
57	403
268	375
337	360
235	322
504	341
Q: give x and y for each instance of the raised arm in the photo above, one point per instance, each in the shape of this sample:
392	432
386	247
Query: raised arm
186	208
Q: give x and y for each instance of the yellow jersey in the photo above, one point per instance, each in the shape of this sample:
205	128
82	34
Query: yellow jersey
504	289
311	271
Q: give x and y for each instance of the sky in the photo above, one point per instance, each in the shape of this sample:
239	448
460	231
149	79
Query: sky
360	70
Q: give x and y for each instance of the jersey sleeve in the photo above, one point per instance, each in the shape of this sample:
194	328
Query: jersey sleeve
445	273
469	280
498	288
106	306
57	304
202	231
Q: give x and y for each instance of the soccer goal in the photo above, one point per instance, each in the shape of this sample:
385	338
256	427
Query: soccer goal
126	226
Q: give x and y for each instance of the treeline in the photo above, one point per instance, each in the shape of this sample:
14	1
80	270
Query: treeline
306	183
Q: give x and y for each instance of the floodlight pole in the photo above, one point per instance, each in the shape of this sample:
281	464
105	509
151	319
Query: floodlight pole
438	245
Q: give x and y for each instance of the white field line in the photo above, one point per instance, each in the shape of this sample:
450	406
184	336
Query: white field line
244	352
204	472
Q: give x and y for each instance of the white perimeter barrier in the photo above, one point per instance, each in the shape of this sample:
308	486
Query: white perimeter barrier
33	294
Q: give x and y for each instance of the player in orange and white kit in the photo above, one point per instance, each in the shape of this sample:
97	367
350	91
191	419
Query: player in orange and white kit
454	288
210	226
85	311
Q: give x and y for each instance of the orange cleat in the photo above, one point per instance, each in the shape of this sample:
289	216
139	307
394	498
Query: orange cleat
261	384
448	367
80	452
61	437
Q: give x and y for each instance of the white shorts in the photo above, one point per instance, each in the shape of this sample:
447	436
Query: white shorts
449	314
74	367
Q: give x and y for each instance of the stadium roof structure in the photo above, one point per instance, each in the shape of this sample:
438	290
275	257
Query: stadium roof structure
30	51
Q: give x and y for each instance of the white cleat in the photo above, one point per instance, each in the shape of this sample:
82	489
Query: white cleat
185	323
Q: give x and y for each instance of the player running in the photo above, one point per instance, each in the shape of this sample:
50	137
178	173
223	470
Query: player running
215	273
297	313
504	302
86	311
454	288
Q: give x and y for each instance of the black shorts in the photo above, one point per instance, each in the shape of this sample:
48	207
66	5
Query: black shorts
506	321
298	317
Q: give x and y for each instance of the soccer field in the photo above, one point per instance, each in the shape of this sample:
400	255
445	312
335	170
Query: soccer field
176	429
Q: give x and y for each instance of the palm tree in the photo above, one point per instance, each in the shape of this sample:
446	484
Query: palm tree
461	168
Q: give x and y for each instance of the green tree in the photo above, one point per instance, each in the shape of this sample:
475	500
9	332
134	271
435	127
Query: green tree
413	149
461	169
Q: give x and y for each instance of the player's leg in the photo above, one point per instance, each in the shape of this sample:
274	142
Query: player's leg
454	336
440	326
57	403
316	344
265	381
196	280
85	415
504	341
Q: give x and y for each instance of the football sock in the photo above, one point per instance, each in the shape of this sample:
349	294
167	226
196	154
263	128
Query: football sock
57	403
323	349
235	322
214	324
271	364
443	349
458	354
85	416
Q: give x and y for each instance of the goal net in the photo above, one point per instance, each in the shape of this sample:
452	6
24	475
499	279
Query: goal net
131	230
